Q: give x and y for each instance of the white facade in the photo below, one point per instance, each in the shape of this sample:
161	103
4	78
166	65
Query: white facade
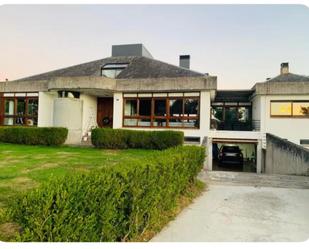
205	99
89	112
292	128
78	115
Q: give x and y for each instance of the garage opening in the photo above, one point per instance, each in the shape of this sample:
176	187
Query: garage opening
234	155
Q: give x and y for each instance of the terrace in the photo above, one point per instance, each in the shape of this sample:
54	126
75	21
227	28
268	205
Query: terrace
232	110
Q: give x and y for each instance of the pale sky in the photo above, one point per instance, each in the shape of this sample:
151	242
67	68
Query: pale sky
240	44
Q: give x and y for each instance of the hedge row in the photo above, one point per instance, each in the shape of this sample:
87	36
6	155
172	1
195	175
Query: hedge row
33	135
108	138
116	203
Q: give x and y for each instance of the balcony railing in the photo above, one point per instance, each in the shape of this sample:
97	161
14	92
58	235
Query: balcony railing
236	125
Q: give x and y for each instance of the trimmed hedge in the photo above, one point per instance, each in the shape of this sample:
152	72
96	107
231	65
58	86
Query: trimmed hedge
116	203
33	135
108	138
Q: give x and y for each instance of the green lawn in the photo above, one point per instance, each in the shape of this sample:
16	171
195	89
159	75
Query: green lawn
23	167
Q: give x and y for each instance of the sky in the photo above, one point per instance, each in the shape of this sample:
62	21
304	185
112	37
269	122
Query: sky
240	44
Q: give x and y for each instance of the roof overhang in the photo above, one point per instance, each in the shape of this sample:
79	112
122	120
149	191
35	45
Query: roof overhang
167	84
96	83
24	86
99	85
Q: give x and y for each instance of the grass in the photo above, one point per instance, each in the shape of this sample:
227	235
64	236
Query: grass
24	167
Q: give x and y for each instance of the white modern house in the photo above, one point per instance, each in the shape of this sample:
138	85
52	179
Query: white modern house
132	90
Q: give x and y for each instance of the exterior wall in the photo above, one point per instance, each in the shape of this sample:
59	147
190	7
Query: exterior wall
68	113
284	157
46	108
204	116
78	115
89	113
289	128
117	111
256	113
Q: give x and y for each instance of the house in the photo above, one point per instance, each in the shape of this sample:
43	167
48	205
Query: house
132	90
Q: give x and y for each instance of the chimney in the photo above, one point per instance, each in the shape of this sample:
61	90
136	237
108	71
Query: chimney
284	68
184	61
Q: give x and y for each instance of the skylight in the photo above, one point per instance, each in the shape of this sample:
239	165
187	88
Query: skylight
113	70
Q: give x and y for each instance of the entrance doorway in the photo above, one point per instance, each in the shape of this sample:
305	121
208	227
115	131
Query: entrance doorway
105	112
233	156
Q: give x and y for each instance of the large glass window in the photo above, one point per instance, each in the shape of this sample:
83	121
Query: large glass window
289	109
154	110
230	117
19	109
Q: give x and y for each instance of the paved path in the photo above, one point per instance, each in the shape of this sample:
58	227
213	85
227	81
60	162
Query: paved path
249	207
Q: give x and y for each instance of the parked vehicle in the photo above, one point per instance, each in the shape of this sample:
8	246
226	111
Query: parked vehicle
230	154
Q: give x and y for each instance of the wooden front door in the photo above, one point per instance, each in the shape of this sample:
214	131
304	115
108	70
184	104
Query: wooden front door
105	112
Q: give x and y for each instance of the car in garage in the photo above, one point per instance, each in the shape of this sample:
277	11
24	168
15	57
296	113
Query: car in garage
230	155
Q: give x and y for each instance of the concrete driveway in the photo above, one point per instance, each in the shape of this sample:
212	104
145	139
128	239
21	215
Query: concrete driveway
244	207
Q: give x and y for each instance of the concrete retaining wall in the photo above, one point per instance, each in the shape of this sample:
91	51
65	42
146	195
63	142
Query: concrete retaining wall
286	158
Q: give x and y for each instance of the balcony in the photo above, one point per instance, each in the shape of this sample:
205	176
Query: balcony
251	125
232	125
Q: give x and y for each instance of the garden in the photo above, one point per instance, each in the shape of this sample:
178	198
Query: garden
125	188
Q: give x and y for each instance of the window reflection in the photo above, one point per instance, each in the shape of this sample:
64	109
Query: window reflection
175	111
281	108
19	110
301	109
130	107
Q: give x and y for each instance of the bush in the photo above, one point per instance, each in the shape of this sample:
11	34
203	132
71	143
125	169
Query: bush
33	135
116	203
108	138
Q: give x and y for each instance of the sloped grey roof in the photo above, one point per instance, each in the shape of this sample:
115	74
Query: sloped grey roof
289	77
139	67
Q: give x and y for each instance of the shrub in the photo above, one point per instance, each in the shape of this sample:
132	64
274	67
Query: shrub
116	203
33	135
120	139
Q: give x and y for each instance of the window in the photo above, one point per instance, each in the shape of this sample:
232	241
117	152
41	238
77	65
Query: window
130	107
289	109
160	107
191	107
281	109
113	70
68	94
19	109
226	116
159	111
301	109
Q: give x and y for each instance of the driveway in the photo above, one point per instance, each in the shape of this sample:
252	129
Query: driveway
244	207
